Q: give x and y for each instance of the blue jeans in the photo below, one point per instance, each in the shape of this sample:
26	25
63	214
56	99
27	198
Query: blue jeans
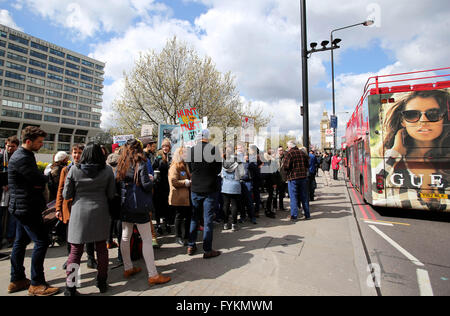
298	190
203	203
246	193
38	233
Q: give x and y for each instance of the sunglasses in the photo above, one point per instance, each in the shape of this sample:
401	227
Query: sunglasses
413	116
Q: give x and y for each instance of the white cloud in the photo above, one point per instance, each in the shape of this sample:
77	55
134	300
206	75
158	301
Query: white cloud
259	42
6	19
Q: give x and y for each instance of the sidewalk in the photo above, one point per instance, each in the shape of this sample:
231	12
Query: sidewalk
276	257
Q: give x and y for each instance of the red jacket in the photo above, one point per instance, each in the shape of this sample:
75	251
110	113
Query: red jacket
335	162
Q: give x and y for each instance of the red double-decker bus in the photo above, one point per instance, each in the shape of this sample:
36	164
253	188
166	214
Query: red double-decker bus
398	141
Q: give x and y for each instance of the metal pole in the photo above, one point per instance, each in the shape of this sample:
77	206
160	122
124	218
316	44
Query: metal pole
304	75
332	88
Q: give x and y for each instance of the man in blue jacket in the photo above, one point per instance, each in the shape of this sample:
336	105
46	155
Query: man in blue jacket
27	202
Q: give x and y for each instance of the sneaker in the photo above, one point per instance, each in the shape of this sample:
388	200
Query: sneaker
226	226
234	227
211	254
18	286
131	272
42	290
180	241
158	279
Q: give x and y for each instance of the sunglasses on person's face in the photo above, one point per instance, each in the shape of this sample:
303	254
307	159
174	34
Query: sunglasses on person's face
413	116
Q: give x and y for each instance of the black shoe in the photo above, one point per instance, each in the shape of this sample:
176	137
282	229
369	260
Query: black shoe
293	218
102	286
71	291
91	263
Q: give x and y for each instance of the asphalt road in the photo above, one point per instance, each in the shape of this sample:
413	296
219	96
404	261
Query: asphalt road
408	249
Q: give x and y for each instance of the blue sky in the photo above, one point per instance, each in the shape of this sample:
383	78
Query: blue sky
257	40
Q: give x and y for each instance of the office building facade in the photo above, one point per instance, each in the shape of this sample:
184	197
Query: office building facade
46	85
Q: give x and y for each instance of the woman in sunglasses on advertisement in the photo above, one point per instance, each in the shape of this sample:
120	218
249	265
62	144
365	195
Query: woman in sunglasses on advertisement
417	150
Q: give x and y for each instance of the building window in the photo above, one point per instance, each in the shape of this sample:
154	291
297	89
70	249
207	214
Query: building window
16	66
72	74
54	85
87	71
71	81
12	104
13	94
39	46
34	98
96	125
53	93
85	85
18	48
53	102
57	52
51	110
84	115
69	113
36	72
83	123
49	118
87	63
73	58
11	113
63	147
64	138
38	63
35	89
73	66
84	108
70	97
85	100
38	55
54	77
56	60
49	146
17	58
68	121
87	78
55	69
36	81
79	139
70	89
18	39
14	75
70	105
32	116
33	107
99	67
15	85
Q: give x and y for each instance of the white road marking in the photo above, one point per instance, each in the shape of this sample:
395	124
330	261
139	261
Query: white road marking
424	283
398	247
379	223
422	275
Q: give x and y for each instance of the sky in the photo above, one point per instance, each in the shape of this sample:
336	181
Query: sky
257	40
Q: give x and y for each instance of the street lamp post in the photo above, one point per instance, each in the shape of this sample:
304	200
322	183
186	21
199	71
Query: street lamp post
332	40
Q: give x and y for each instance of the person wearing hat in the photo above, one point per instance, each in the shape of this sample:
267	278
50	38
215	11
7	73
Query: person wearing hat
59	162
205	163
149	148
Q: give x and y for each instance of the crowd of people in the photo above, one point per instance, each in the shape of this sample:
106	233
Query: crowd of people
99	196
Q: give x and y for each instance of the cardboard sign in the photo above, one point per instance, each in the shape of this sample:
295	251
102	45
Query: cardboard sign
190	125
122	139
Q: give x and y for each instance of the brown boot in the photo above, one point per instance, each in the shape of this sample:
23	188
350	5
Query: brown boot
42	290
18	286
158	279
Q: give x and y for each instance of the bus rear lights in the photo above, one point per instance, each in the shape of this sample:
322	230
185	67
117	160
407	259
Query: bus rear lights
384	101
391	100
380	183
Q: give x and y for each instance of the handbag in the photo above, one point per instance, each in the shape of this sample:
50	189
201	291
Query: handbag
49	214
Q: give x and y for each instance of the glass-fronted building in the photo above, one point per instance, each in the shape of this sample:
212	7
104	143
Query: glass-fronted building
46	85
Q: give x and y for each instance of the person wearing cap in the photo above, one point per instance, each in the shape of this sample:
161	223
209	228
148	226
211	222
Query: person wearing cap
205	163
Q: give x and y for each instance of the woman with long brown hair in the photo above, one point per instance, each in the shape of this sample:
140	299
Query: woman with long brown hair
416	132
136	187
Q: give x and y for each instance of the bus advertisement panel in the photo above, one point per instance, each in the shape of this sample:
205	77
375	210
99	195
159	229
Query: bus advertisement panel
410	149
